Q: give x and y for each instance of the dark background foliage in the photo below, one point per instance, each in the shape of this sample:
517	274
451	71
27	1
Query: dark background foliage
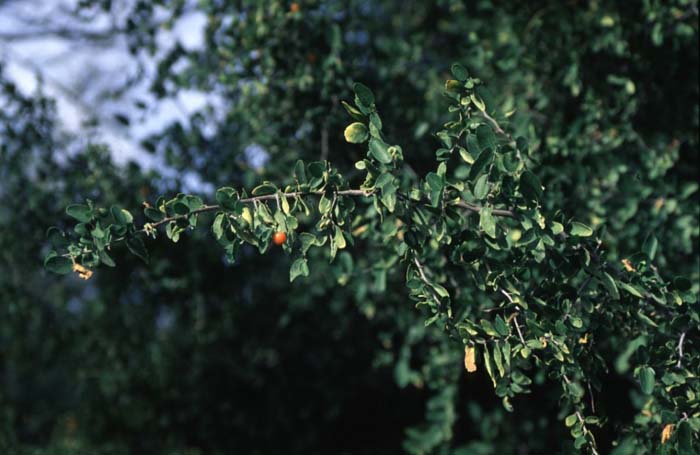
195	355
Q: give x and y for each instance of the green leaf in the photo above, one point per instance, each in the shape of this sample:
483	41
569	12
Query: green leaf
631	289
487	222
580	229
379	151
307	241
364	94
153	214
488	327
121	216
226	197
570	420
137	248
685	439
682	283
530	187
498	360
489	365
647	379
522	144
58	264
501	326
473	145
80	212
324	205
339	238
466	156
375	124
646	319
460	72
453	86
56	237
481	187
650	246
486	138
106	259
436	184
181	208
193	202
217	226
481	163
478	102
622	363
388	196
264	189
300	172
356	133
610	286
576	390
299	268
354	113
507	404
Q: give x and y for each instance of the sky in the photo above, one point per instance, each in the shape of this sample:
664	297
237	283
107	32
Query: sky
83	76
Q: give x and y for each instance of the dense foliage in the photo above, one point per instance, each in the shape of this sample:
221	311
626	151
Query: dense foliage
544	226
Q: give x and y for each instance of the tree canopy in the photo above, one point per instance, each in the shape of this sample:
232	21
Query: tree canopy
491	237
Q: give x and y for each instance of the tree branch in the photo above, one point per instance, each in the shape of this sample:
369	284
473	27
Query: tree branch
496	126
211	208
424	279
65	33
477	209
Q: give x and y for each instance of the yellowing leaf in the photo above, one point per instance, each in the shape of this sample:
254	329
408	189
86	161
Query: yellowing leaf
628	265
580	229
356	133
470	358
667	432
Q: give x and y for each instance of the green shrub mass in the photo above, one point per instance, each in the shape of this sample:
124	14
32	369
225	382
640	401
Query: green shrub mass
493	256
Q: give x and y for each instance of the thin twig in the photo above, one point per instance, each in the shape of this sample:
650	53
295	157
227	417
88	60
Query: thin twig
587	431
496	126
466	205
424	279
517	327
590	394
255	200
475	208
504	292
500	131
583	286
680	349
583	424
515	316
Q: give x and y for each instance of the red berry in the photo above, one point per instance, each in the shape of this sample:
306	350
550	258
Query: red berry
278	238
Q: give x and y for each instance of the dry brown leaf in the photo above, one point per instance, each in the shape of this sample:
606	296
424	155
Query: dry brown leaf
83	272
470	358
